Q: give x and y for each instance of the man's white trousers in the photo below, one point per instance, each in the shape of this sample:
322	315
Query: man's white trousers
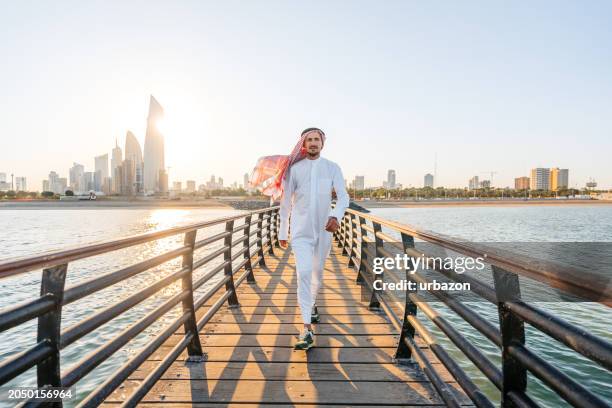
310	256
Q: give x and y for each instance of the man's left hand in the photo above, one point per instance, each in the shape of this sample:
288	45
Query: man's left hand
332	225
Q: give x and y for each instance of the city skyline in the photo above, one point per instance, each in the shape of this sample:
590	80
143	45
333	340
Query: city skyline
452	79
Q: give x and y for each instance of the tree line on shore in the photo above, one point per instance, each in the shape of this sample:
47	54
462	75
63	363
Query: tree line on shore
413	193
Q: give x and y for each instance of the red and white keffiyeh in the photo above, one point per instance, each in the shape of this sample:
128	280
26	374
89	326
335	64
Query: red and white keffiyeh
270	171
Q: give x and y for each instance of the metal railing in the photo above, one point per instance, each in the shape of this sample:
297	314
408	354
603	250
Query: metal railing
364	237
259	235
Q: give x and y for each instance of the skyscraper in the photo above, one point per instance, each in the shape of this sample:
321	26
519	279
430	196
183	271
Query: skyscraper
521	183
77	178
101	166
153	149
391	179
133	153
116	158
20	184
559	179
428	180
540	179
359	183
473	183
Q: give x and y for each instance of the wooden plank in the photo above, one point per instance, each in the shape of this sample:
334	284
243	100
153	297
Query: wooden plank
240	405
342	355
288	372
293	302
356	297
295	328
294	310
287	340
294	318
260	290
286	392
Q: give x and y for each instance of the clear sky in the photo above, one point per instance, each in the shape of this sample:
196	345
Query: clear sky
488	86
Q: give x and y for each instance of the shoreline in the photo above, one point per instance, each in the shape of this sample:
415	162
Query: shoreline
478	203
112	204
223	204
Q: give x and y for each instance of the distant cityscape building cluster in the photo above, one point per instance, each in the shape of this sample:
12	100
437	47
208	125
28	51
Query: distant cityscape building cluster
541	178
16	183
130	172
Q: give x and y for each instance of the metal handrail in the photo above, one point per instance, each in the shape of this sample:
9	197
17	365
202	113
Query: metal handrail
362	239
47	308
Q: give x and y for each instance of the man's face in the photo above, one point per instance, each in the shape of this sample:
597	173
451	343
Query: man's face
313	143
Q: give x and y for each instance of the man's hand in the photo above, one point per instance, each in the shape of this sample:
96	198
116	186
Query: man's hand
332	225
283	243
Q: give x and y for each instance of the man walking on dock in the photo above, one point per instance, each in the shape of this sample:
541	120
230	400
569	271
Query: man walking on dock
307	192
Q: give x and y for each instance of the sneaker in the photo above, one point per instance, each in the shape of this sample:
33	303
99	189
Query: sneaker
314	315
305	341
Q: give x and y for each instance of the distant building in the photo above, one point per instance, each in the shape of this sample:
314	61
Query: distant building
101	171
55	183
133	153
4	186
20	184
128	178
521	183
428	180
163	181
190	186
559	179
77	178
485	184
540	179
117	181
89	181
359	183
391	179
154	158
473	183
177	186
246	182
116	159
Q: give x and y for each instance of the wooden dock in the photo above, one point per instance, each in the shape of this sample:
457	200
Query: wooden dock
250	359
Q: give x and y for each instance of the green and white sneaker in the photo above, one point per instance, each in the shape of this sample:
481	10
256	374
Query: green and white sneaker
305	341
314	315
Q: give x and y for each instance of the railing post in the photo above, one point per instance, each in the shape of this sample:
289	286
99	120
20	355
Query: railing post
344	233
378	242
227	257
362	253
194	348
338	235
247	252
270	244
260	252
352	235
512	329
410	309
276	228
49	327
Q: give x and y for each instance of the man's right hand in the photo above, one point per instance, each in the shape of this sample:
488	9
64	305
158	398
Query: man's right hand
283	243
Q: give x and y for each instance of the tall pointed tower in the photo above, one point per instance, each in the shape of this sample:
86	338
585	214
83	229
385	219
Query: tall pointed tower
153	149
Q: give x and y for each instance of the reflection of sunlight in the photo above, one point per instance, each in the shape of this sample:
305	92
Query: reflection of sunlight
166	218
163	219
